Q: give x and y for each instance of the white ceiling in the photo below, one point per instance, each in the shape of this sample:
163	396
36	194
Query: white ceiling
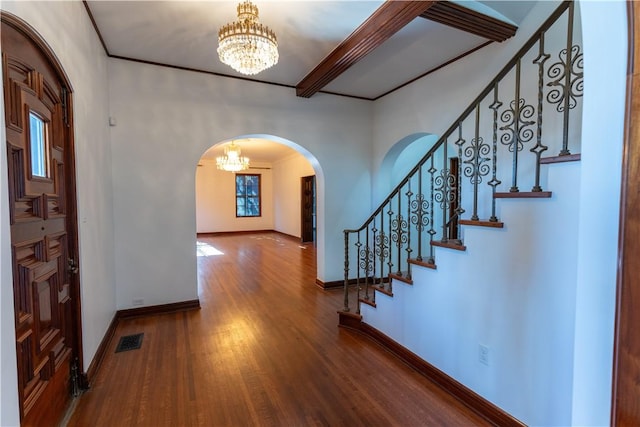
256	149
184	34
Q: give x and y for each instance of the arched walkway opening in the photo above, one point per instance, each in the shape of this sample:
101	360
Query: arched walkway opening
279	192
399	160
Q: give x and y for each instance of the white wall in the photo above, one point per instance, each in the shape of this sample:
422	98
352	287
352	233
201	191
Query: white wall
513	291
605	62
558	293
167	118
67	29
287	195
216	200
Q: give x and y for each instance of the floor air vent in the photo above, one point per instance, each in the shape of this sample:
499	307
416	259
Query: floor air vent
129	342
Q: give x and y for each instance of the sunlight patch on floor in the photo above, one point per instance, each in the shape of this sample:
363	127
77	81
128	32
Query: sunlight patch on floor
205	249
278	241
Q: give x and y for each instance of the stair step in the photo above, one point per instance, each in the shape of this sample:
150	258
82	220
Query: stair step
523	195
403	277
560	159
481	223
348	319
422	263
368	302
451	244
383	290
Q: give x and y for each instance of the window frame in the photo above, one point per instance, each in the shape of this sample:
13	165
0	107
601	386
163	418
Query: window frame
245	196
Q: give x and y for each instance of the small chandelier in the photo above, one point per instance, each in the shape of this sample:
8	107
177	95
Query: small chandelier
232	161
246	45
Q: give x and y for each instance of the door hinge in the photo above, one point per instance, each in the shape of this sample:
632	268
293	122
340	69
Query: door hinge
72	266
75	379
79	380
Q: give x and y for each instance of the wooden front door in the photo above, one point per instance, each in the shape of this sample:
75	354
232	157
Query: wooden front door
43	227
308	208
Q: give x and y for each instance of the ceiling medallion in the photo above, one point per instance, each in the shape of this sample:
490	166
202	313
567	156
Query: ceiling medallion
246	45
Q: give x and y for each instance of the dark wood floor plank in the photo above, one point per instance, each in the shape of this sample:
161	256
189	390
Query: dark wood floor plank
264	350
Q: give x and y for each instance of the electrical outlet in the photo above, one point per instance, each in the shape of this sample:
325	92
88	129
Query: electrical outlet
137	301
483	354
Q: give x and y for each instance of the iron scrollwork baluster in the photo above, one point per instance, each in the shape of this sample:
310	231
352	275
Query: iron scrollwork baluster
390	259
399	234
539	148
359	264
384	239
476	164
568	81
409	250
517	126
382	252
444	195
432	232
457	214
419	210
366	263
374	230
495	106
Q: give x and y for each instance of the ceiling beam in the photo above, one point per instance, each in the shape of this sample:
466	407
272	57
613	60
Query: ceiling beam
456	16
387	20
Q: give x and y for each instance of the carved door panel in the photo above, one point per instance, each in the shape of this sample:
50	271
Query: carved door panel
308	209
37	140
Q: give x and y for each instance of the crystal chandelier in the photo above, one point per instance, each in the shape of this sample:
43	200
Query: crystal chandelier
232	161
246	45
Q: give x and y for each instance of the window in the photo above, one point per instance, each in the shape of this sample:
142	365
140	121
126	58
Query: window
38	146
248	195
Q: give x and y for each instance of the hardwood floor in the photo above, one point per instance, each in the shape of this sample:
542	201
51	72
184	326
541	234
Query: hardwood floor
264	350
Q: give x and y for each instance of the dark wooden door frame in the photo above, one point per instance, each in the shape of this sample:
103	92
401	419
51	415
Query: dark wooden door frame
625	407
304	211
70	181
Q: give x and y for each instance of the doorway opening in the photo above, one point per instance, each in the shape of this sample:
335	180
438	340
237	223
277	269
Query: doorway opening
277	192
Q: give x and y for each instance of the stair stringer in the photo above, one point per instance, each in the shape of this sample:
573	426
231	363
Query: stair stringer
512	291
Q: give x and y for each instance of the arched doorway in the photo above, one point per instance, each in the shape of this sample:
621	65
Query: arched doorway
399	160
282	179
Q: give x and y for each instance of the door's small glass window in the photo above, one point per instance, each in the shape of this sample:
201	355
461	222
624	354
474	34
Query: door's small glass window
38	145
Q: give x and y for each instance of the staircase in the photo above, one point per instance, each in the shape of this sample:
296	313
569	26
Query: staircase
498	160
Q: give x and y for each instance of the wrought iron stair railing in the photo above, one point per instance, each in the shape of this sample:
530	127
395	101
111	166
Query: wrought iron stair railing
463	172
